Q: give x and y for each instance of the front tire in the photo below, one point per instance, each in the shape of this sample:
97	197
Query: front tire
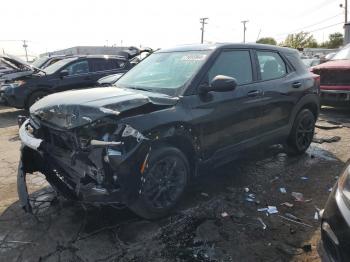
302	133
165	180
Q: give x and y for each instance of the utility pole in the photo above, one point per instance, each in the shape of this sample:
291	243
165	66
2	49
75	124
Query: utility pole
244	29
25	48
345	6
203	22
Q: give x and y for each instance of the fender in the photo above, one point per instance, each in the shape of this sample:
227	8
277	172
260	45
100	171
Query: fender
309	99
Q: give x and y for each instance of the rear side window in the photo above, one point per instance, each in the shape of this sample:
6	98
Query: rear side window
97	65
77	68
271	65
235	63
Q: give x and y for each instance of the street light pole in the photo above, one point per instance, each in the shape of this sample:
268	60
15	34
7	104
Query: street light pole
244	28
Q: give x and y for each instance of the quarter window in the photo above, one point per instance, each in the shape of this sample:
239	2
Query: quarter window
97	65
78	68
235	64
271	65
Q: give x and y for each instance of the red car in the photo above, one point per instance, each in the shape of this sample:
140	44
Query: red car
335	79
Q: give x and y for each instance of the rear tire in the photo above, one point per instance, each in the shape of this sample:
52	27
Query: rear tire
302	133
34	97
165	180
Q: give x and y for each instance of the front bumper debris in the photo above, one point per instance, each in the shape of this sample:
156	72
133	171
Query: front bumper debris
68	173
26	138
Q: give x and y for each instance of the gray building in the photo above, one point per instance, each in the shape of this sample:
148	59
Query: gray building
87	50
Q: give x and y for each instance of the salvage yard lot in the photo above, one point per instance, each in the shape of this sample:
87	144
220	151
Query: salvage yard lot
214	221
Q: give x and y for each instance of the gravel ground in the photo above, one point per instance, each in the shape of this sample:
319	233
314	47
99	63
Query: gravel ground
214	221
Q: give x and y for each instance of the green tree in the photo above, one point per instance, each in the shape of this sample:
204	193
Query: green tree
267	41
300	40
335	41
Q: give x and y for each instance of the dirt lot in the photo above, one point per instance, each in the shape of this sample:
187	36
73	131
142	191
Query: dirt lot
214	221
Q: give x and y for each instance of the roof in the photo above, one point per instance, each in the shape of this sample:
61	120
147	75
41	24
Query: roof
100	56
199	47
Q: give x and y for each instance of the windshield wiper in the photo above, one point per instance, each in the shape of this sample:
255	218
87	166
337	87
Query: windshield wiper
139	88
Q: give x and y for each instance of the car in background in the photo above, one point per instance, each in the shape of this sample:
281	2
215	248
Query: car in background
45	61
180	111
335	222
69	73
335	79
134	55
15	67
310	62
109	80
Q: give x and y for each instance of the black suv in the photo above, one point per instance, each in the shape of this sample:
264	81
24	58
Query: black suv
180	110
70	73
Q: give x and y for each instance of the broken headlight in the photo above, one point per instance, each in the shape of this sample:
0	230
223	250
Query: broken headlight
130	131
344	184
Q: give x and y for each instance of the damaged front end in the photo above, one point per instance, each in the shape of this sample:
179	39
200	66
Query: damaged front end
98	162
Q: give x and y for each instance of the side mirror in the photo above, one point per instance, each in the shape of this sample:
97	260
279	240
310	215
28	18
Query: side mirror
64	73
220	83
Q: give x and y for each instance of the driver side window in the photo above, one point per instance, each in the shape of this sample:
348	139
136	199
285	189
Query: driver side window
77	68
236	64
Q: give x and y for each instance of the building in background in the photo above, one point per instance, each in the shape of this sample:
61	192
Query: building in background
87	50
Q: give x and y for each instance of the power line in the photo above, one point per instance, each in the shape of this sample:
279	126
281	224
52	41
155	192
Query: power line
326	27
304	27
315	8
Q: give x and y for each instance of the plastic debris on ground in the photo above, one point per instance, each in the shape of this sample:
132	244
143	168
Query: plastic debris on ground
262	223
291	216
283	190
274	179
287	204
298	196
304	178
269	210
224	214
204	194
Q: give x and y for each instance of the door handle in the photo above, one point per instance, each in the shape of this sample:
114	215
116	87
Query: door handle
296	84
254	93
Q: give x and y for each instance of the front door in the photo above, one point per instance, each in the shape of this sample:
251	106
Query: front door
227	119
78	76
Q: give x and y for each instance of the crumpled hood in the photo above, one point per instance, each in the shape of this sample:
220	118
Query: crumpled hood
71	109
16	62
333	65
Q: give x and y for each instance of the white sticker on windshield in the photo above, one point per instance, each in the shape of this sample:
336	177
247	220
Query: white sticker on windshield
193	57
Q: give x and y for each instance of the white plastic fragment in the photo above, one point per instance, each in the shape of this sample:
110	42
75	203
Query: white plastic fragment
283	190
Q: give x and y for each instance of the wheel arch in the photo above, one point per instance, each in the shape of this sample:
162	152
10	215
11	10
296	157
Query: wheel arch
182	137
311	102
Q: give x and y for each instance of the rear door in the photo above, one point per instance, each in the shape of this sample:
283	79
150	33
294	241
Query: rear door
226	119
78	76
100	67
280	85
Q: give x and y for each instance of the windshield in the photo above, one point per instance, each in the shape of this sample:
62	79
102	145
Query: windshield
343	54
164	72
38	63
58	65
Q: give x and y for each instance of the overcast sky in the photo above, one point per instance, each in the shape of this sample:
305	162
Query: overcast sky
49	25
